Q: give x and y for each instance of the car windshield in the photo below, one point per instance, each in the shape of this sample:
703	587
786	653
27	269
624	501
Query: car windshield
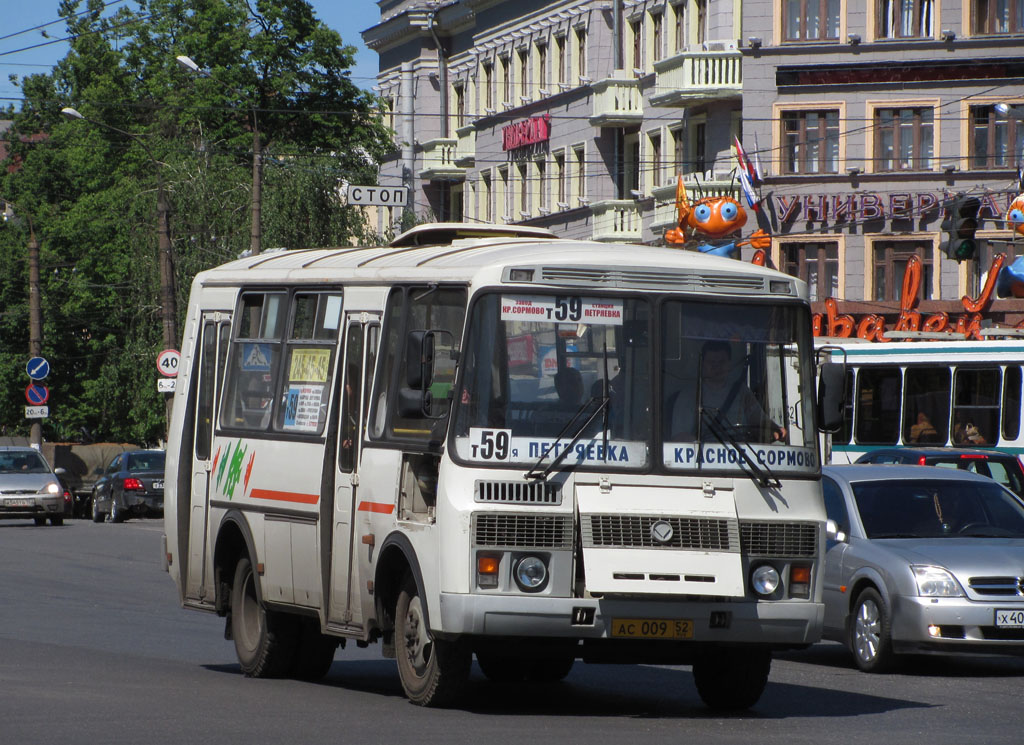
23	462
146	462
937	509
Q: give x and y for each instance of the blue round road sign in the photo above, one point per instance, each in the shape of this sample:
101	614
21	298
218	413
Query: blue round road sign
36	394
37	368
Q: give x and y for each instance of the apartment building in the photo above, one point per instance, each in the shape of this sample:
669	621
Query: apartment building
868	118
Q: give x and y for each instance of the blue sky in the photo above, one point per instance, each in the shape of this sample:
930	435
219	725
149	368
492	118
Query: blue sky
24	52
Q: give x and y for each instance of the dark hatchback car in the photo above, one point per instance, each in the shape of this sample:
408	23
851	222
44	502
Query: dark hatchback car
131	486
1003	467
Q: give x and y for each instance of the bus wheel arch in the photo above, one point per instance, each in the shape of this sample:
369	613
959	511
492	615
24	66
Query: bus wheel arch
396	559
234	542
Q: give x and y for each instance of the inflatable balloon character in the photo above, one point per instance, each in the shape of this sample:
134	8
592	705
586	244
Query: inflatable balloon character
713	220
1010	282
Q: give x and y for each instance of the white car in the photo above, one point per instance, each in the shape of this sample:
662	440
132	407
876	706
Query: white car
29	488
925	559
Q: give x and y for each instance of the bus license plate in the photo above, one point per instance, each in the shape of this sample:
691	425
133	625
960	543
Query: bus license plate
652	628
1009	618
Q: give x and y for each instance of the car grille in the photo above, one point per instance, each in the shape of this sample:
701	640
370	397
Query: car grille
779	539
17	492
504	530
999	586
634	531
518	492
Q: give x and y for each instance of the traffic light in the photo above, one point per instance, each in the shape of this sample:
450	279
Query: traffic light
960	223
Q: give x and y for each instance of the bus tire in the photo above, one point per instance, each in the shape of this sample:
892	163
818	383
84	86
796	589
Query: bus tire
264	640
871	633
433	671
314	652
732	679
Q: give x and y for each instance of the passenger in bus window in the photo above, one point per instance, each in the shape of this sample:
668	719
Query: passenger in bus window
726	398
967	433
923	430
569	387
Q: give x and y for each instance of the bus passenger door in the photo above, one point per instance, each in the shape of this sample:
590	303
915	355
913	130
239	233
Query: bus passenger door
361	333
213	346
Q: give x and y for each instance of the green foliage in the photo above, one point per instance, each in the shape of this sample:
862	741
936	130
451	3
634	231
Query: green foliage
89	188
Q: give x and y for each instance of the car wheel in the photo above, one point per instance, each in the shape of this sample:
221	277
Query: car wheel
264	640
97	516
116	514
433	671
732	679
59	520
871	633
39	520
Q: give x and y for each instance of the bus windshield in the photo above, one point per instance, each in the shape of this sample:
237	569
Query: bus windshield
543	374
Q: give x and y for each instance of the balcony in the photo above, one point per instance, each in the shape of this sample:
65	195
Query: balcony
711	185
617	101
439	160
617	220
465	150
698	77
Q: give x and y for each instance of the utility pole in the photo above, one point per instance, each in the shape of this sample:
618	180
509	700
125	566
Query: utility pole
35	321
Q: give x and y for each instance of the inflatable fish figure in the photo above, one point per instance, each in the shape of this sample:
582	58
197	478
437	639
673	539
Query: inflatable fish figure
1010	282
712	219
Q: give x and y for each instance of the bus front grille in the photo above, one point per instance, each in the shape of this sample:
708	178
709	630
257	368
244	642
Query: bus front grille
518	492
779	539
509	530
637	531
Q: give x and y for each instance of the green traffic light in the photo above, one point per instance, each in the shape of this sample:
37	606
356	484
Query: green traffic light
964	250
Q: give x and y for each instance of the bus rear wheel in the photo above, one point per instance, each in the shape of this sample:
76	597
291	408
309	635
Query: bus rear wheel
264	640
732	679
433	671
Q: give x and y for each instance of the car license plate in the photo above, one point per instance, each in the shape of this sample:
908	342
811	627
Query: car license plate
158	485
652	628
1007	618
19	502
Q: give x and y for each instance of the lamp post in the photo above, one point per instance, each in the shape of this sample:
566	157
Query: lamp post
35	314
168	303
256	234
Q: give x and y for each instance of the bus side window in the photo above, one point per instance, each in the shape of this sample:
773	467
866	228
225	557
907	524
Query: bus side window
1011	402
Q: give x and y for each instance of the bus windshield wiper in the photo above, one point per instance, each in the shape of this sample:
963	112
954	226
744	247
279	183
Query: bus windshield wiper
582	424
759	471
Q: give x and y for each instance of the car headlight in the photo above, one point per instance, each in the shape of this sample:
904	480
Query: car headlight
53	488
935	582
530	573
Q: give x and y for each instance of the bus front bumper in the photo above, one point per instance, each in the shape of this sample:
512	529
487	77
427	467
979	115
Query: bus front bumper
775	623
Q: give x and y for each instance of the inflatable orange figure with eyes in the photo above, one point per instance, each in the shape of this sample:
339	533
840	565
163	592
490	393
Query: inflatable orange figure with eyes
1010	282
714	219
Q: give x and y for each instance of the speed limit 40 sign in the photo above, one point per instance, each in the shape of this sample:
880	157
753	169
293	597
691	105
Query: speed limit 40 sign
167	362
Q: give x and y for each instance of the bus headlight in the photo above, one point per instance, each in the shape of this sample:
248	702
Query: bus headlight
530	573
765	580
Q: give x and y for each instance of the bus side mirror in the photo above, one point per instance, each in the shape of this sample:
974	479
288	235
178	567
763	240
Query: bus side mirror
831	395
419	359
413	404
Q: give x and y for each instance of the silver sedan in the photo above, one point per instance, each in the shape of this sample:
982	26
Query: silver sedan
924	559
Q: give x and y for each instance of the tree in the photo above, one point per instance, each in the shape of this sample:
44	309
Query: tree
91	191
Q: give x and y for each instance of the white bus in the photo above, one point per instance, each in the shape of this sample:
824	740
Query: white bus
462	445
929	392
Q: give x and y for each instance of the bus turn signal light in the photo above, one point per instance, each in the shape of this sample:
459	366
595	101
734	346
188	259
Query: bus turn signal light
487	571
800	582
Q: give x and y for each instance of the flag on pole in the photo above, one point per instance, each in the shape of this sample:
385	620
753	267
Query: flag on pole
758	173
748	189
743	161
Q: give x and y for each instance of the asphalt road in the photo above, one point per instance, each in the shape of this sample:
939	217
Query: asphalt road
94	649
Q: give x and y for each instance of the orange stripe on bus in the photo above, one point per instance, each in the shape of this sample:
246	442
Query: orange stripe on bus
284	496
387	509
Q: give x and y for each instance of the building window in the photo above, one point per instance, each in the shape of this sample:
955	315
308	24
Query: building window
901	19
460	106
524	75
698	146
542	184
542	68
702	20
810	141
637	27
524	192
996	142
679	149
631	166
581	52
817	264
679	15
489	88
506	81
486	195
997	16
504	194
978	270
560	179
580	163
656	159
889	264
810	20
562	60
656	36
903	139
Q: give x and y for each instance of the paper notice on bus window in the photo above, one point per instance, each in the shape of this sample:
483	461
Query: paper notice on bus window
562	309
302	408
309	365
332	315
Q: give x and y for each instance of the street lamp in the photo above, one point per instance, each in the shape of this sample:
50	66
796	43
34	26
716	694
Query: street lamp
256	236
168	304
35	312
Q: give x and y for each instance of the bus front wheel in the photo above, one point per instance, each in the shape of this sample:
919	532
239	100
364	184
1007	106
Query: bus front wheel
732	679
264	640
433	671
